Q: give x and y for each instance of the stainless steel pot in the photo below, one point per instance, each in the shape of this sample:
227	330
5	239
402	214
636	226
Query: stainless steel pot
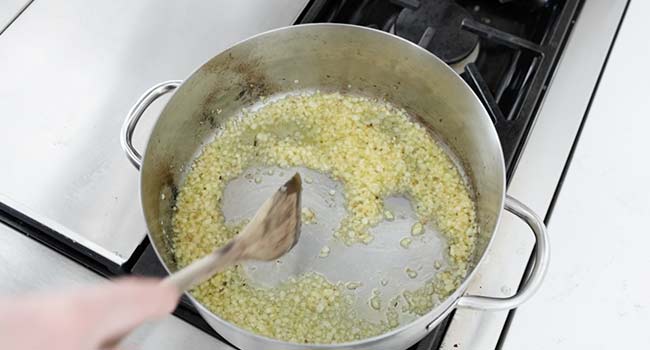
330	57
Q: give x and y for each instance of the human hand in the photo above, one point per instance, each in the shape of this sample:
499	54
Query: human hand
82	319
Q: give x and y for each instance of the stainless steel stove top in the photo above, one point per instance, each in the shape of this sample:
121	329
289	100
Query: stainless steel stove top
71	72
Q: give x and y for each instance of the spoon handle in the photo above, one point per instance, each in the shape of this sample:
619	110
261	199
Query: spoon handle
189	276
202	269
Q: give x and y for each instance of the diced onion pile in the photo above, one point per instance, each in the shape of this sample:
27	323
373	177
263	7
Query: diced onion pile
375	151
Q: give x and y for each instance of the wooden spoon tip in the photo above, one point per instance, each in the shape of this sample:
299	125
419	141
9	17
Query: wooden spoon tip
294	184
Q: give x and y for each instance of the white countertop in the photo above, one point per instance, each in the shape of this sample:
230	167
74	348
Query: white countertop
9	9
597	291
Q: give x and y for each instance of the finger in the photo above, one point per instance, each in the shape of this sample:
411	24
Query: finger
113	309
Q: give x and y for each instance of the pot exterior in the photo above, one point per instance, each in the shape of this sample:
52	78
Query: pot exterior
325	57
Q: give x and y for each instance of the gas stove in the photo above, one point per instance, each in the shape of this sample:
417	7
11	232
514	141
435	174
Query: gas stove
505	50
533	63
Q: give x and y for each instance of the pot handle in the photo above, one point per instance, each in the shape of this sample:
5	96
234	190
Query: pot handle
132	118
536	276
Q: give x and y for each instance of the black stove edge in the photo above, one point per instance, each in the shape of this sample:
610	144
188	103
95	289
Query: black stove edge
434	339
93	261
567	166
15	17
128	265
58	242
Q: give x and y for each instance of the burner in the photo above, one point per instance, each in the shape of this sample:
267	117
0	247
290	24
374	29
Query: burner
459	67
436	26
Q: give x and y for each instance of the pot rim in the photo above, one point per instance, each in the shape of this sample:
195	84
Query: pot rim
434	314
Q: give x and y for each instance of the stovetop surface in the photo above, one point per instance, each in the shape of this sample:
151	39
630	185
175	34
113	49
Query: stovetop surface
509	52
517	46
71	73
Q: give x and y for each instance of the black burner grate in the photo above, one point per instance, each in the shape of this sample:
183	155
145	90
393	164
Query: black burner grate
519	42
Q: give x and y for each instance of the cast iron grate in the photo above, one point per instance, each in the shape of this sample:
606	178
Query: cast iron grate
519	42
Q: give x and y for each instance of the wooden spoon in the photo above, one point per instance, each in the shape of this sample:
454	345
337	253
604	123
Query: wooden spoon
272	232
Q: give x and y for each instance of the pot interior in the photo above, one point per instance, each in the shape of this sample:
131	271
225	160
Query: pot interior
345	59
